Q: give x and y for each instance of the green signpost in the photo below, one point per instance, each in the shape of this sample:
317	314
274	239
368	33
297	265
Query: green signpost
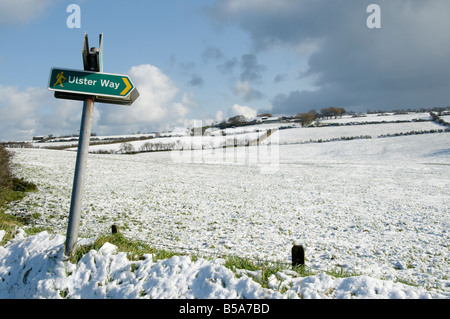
89	86
106	87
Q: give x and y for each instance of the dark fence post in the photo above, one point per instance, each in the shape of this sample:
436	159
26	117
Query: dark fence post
298	255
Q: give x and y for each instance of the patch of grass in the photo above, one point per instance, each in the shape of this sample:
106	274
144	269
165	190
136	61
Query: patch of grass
265	269
23	186
340	272
8	195
135	249
234	262
36	230
11	189
303	271
9	224
407	282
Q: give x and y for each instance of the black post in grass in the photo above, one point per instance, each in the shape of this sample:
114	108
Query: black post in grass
298	255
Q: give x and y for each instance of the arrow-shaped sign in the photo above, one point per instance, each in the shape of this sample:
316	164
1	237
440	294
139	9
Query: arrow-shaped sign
127	88
90	83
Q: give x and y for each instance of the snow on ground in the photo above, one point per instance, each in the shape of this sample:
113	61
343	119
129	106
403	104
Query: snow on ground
380	117
376	207
181	143
70	141
347	127
35	267
304	135
384	125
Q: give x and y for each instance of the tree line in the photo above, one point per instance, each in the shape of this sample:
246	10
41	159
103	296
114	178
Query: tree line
306	119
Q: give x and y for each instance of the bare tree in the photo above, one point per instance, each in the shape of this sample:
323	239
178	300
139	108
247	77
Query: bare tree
126	148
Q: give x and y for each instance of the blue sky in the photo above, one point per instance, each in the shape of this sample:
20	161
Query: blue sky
211	59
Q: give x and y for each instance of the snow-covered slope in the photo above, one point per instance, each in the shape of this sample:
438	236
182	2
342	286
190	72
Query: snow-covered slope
35	267
376	207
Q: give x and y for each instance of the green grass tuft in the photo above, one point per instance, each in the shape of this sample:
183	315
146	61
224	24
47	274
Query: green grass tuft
11	189
135	249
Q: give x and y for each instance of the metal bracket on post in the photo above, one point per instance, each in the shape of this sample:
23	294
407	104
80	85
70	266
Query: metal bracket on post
93	57
92	60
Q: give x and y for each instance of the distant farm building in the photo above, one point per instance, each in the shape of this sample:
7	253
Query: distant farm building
38	138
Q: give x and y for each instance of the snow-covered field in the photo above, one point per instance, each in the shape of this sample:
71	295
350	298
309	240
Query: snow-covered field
244	135
380	117
378	207
348	127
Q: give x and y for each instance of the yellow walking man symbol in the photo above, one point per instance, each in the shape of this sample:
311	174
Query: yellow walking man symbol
60	79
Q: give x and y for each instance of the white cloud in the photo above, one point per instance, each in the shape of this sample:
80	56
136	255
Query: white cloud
156	107
34	111
219	116
156	94
180	110
245	90
243	110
